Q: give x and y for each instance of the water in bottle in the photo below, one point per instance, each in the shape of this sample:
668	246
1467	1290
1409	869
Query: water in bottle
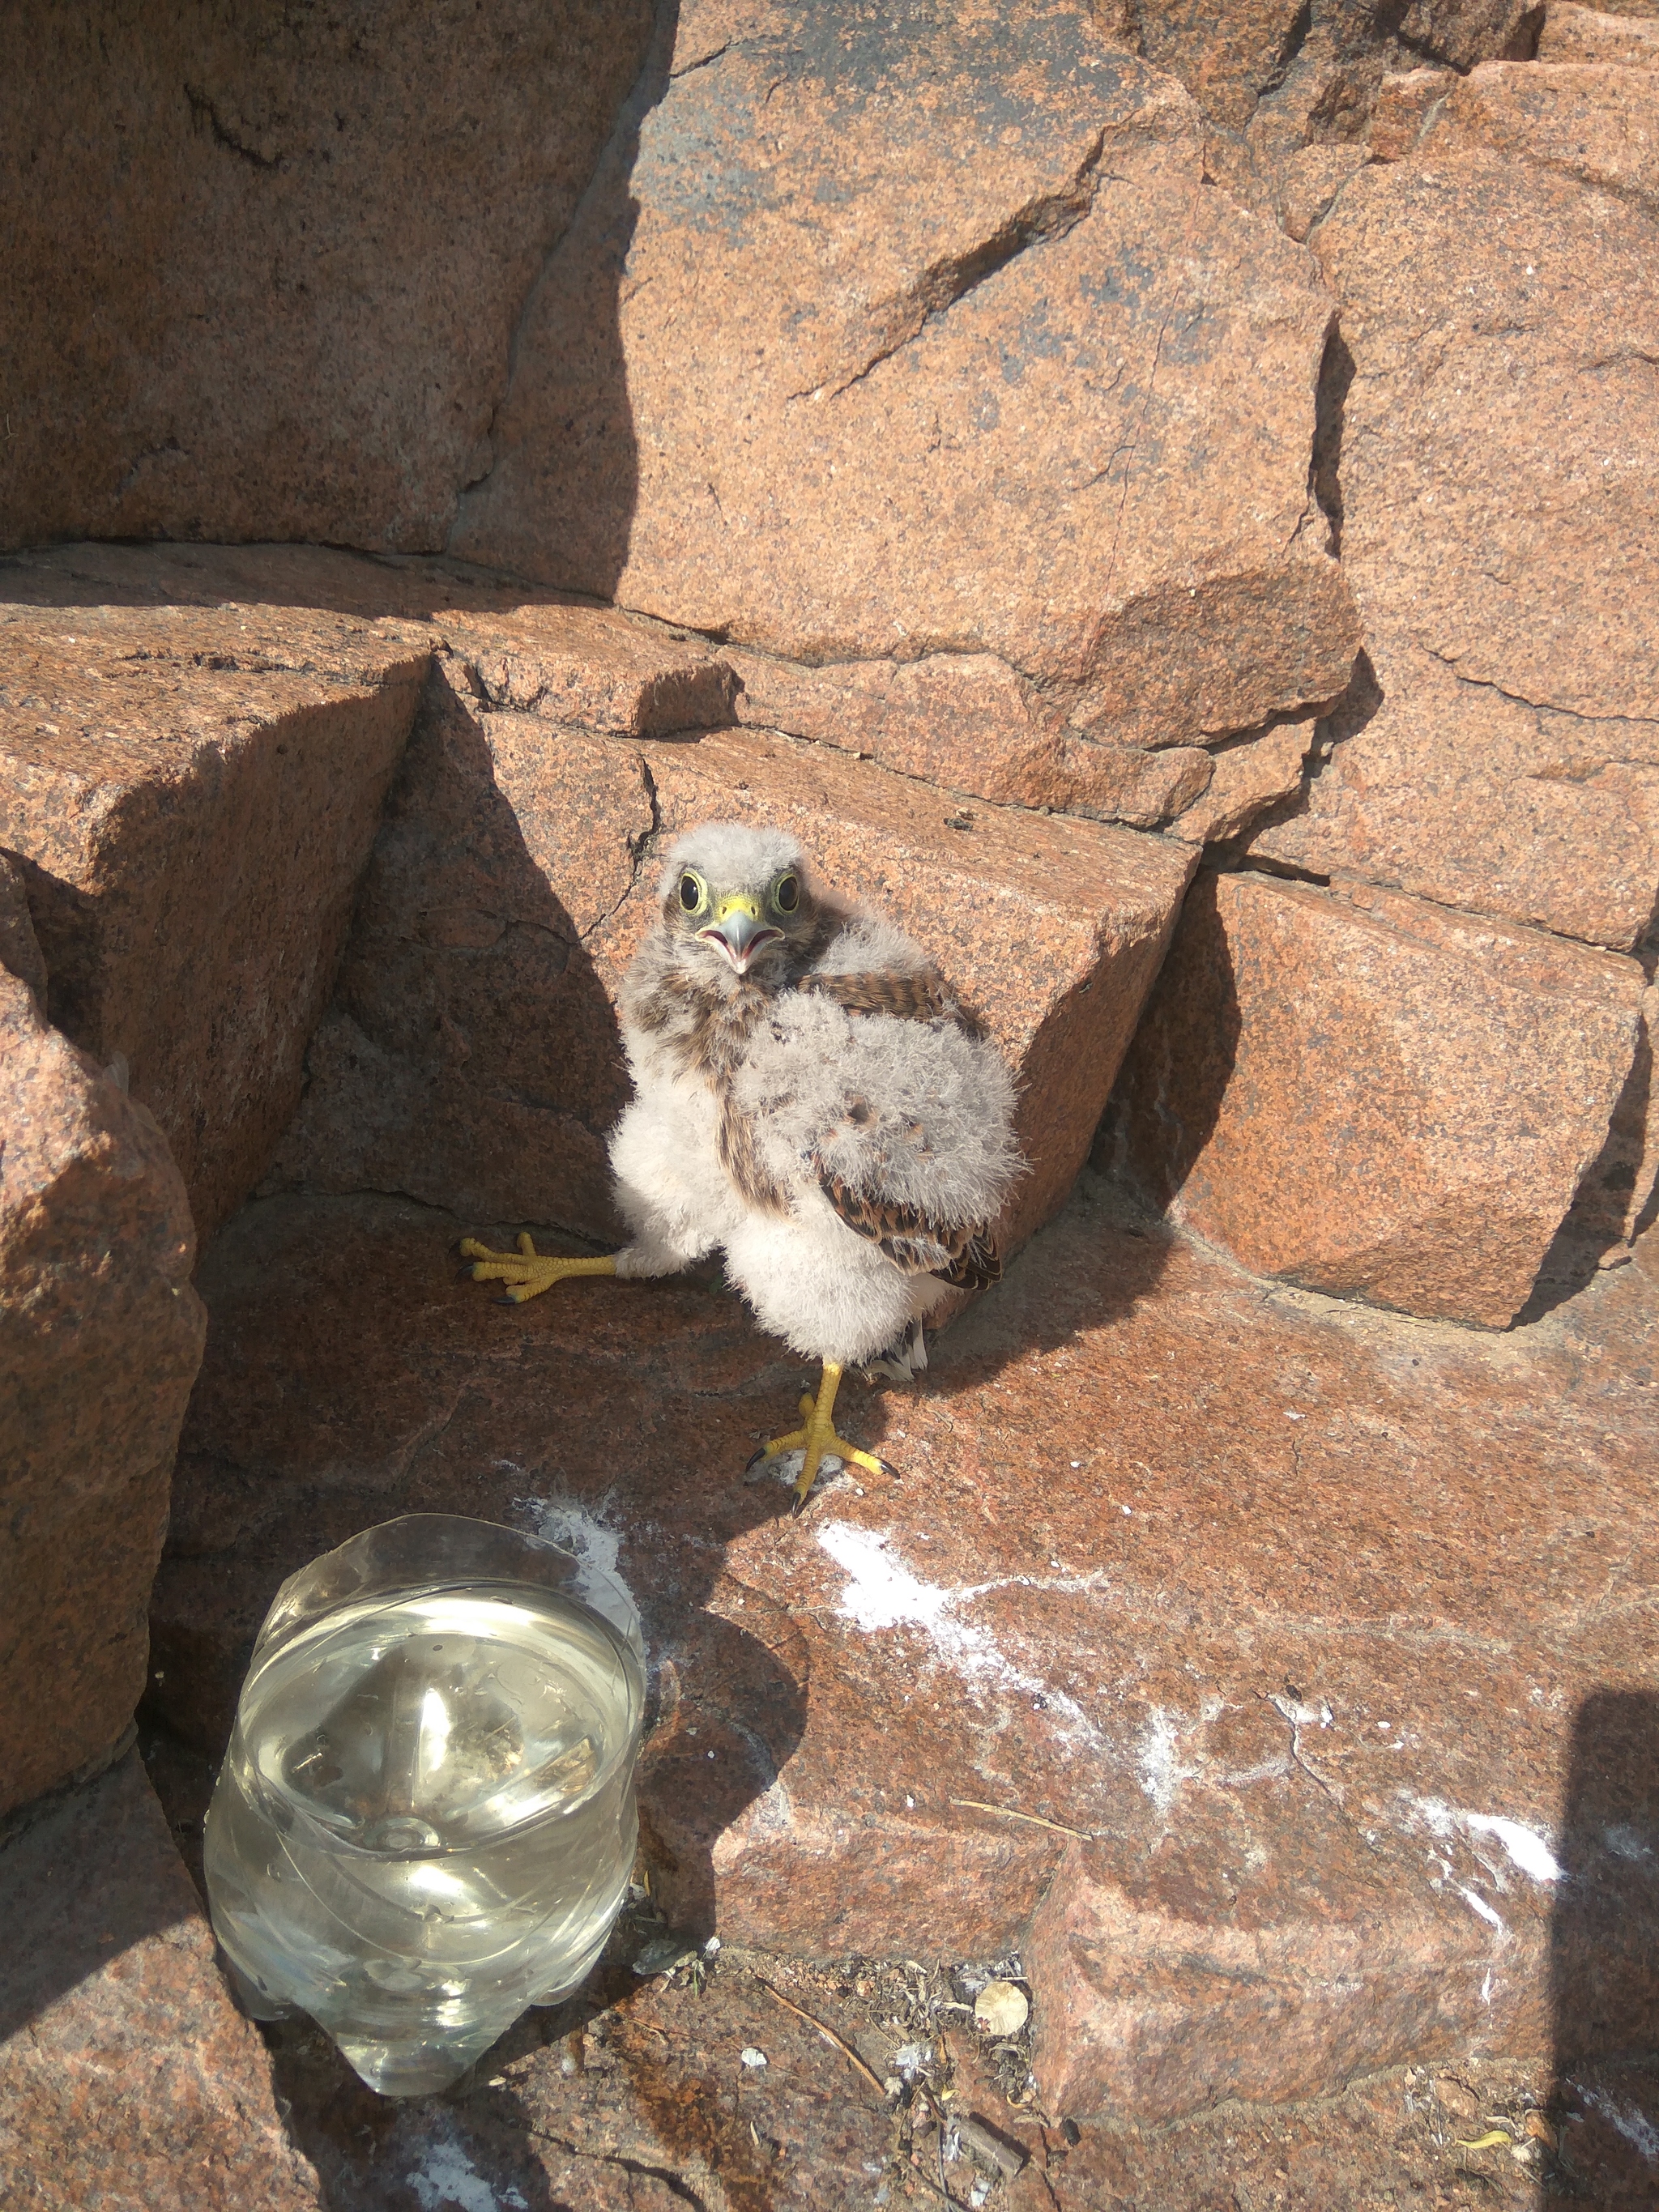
426	1819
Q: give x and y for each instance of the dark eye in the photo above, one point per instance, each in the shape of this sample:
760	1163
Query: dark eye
691	893
786	894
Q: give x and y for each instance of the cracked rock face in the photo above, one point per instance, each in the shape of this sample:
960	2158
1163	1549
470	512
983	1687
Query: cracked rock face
191	792
927	351
471	1055
100	1334
1286	1611
1373	1096
1500	473
1590	34
289	316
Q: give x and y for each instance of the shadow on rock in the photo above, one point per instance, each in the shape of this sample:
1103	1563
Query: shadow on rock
1604	1938
470	1056
1164	1105
1092	1265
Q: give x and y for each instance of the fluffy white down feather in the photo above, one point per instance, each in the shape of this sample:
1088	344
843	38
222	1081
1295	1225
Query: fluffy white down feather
912	1112
829	1294
730	853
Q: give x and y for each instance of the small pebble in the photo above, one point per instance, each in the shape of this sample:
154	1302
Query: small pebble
1456	2098
1001	2009
751	2056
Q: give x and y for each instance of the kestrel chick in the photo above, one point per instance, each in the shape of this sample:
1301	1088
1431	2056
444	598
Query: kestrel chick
809	1098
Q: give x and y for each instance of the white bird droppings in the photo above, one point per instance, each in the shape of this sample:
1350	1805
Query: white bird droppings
1525	1849
1155	1759
1478	1904
1525	1846
446	2177
561	1520
883	1593
1635	2126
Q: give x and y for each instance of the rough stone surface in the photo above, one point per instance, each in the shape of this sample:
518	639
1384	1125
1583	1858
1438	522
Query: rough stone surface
192	791
967	721
1226	58
934	342
1373	1096
306	239
1295	101
1406	100
101	1335
1615	1200
1465	32
127	2076
1589	34
1245	782
471	1055
20	949
1591	122
1308	180
1327	1507
592	667
638	2096
1496	449
633	2098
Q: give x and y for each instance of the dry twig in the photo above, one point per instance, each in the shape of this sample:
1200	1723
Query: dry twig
1031	1820
828	2033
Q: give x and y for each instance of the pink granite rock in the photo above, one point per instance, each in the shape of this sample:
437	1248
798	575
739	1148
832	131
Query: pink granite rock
998	378
1589	121
306	241
192	790
471	1055
101	1335
127	2076
1498	474
1174	1560
1465	32
1406	102
1373	1096
1589	34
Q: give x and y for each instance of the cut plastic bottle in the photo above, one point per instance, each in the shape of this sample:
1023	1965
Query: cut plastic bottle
426	1819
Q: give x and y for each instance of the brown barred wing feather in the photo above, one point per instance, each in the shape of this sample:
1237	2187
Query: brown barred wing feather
960	1256
920	997
737	1141
911	998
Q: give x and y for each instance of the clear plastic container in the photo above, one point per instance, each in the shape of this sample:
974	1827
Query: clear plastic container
425	1822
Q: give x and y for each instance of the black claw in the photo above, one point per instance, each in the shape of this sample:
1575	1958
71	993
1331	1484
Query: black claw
889	1470
756	1460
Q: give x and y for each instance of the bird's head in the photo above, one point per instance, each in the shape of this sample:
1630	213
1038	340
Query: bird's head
737	895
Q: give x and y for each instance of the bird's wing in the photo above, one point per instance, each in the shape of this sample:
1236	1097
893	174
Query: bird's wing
963	1255
903	1125
869	966
918	997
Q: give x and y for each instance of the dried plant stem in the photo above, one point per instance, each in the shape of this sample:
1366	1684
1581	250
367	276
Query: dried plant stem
828	2033
1031	1820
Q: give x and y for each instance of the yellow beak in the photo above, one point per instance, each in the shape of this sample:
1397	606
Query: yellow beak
738	930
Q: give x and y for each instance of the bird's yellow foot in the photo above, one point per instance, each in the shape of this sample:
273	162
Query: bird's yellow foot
818	1438
526	1272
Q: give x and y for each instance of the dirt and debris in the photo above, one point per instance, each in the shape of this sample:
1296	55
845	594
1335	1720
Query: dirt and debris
741	2079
